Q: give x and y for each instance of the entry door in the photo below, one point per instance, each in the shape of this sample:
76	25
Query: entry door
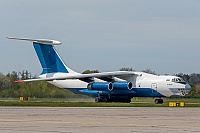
154	87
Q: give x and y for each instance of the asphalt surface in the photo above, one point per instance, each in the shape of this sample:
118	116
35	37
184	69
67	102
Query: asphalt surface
99	120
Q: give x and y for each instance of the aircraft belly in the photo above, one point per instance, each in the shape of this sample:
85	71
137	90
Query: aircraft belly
147	92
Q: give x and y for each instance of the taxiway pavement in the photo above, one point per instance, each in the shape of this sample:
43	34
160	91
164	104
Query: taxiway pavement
99	120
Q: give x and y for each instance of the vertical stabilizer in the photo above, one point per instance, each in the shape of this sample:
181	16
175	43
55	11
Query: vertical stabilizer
49	58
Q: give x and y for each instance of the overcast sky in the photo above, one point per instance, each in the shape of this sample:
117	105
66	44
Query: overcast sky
105	35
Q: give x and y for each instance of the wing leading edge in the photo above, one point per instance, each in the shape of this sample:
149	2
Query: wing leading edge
83	76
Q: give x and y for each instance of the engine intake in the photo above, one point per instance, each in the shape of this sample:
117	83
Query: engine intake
122	85
101	86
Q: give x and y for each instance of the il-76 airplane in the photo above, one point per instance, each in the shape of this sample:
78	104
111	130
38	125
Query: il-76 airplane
117	86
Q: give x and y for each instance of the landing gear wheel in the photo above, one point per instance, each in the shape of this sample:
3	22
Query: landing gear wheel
106	99
96	100
127	100
158	101
103	99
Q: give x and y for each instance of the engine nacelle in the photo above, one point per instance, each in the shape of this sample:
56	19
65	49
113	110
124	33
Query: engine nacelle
122	85
100	86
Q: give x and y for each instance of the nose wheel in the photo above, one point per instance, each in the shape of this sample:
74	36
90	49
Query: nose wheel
158	101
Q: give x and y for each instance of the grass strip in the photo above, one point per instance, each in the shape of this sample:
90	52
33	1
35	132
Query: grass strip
86	104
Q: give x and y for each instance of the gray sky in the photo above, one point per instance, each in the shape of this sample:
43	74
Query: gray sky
105	35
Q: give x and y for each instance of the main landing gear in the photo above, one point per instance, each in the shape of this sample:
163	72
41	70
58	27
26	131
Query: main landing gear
159	101
98	99
105	99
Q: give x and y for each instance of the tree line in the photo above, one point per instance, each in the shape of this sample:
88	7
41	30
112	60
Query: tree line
8	88
42	89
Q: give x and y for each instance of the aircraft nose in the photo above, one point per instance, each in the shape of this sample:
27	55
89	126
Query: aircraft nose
188	88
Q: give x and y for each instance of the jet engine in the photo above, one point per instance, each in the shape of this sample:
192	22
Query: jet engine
122	85
100	86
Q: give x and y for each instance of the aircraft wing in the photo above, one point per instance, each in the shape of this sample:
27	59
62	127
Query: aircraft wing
83	77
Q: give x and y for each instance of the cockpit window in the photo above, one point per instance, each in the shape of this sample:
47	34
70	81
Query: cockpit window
178	80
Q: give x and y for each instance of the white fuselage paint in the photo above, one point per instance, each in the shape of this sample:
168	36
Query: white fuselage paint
160	84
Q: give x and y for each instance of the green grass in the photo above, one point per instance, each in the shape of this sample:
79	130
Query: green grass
88	102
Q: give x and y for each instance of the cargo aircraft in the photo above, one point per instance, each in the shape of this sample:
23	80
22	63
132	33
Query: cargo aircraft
117	86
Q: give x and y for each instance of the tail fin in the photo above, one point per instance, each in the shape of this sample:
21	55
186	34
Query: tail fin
49	59
48	56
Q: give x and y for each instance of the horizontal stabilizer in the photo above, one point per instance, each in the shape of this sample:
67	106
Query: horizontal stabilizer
40	41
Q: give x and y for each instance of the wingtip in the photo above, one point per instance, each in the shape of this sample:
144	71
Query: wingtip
10	37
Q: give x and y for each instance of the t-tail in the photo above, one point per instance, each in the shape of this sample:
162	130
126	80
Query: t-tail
49	58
